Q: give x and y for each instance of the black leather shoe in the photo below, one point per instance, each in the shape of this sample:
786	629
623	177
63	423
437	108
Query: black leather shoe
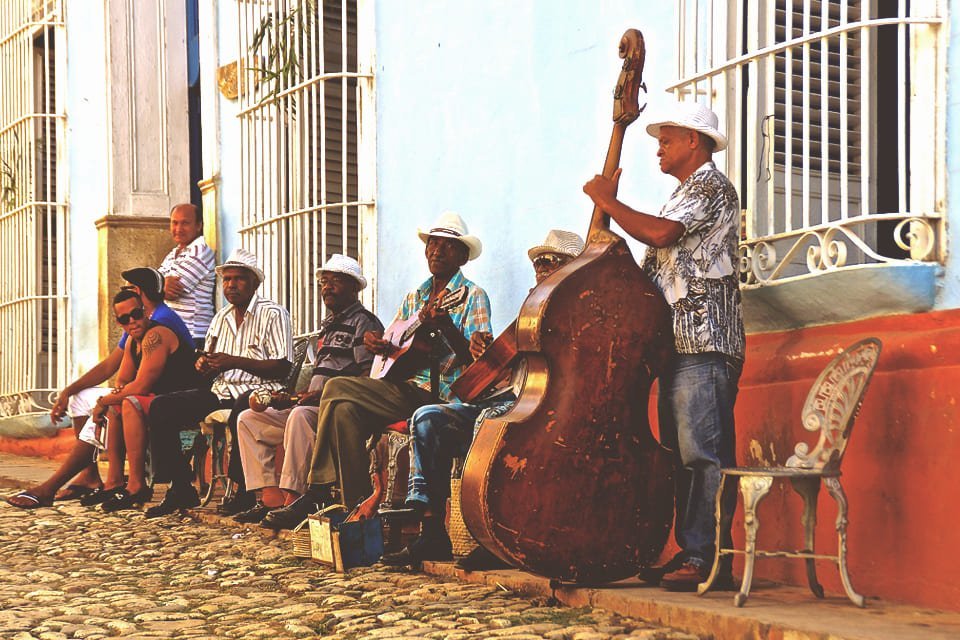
481	560
290	516
235	504
419	550
99	496
175	500
123	499
253	515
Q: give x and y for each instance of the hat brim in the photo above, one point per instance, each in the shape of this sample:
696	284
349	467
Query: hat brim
239	265
474	246
359	279
721	140
535	252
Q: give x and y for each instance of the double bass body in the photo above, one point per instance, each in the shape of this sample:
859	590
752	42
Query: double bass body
571	484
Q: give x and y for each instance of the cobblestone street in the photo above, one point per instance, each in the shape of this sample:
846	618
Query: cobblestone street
73	572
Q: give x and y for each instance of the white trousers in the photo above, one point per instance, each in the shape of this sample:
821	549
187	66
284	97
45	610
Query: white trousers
81	404
258	435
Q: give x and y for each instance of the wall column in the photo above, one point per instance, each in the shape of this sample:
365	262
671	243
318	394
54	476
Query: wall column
148	140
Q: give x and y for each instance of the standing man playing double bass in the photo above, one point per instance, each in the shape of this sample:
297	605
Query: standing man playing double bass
691	258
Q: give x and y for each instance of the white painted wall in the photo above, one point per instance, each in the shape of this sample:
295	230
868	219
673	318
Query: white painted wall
949	296
229	159
501	110
87	158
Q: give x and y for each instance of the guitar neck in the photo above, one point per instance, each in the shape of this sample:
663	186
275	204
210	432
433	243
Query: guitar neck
600	220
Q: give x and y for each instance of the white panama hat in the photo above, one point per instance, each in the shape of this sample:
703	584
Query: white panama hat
566	243
451	225
242	259
339	263
691	115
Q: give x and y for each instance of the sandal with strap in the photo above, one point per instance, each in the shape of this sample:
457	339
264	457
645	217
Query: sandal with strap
99	496
32	501
123	499
75	492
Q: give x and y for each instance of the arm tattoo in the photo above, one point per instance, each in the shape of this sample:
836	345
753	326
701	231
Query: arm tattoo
151	341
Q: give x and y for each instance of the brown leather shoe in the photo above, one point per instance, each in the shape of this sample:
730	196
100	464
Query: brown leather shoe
686	578
653	574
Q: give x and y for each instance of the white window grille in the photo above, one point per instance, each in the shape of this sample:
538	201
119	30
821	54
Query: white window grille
34	318
307	125
836	131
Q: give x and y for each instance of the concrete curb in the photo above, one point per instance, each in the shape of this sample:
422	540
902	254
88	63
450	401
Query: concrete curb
773	612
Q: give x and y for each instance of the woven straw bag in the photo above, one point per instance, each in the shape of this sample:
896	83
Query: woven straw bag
463	543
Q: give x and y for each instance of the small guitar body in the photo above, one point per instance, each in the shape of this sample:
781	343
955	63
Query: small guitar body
411	347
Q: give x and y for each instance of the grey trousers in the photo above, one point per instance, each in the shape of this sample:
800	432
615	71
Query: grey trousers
351	410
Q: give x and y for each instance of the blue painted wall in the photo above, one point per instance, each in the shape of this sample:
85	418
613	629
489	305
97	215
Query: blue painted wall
501	111
88	175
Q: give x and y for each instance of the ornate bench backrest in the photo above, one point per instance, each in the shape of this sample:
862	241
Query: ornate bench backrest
833	404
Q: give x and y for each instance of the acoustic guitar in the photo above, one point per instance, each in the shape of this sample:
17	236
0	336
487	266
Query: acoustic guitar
411	346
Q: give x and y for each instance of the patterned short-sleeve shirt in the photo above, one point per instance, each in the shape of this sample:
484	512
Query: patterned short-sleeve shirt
697	274
470	316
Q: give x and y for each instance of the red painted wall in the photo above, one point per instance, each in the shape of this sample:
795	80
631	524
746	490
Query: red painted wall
901	468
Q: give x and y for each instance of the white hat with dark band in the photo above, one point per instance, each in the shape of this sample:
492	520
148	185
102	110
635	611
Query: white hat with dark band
451	225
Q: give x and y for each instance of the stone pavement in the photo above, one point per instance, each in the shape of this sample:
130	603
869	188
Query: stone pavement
74	572
204	576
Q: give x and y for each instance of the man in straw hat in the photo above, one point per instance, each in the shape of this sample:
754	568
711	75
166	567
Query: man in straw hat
340	352
353	409
249	346
692	258
442	432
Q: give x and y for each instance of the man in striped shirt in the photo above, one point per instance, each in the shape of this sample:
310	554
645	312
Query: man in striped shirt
249	346
188	271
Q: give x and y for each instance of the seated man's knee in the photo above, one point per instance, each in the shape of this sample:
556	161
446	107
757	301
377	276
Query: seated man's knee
425	419
129	408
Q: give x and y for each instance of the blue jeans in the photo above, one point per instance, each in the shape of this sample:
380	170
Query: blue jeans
695	407
442	432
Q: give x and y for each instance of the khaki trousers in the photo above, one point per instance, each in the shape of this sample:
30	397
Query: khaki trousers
258	435
351	410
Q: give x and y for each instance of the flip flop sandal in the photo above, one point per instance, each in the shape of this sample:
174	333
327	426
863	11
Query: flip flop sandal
35	503
75	492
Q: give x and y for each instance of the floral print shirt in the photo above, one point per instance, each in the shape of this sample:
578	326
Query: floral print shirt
697	275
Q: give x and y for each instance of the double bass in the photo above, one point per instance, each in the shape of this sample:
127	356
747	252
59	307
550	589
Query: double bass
570	483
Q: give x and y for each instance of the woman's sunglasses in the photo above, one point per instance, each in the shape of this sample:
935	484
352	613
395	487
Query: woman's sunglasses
125	318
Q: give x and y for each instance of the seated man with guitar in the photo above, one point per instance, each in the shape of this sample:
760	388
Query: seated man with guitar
448	306
442	432
278	417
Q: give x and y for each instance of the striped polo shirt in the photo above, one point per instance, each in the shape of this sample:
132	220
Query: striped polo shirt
194	266
264	334
340	349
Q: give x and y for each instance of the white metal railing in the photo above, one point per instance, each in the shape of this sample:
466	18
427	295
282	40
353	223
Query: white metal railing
306	130
834	113
34	317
